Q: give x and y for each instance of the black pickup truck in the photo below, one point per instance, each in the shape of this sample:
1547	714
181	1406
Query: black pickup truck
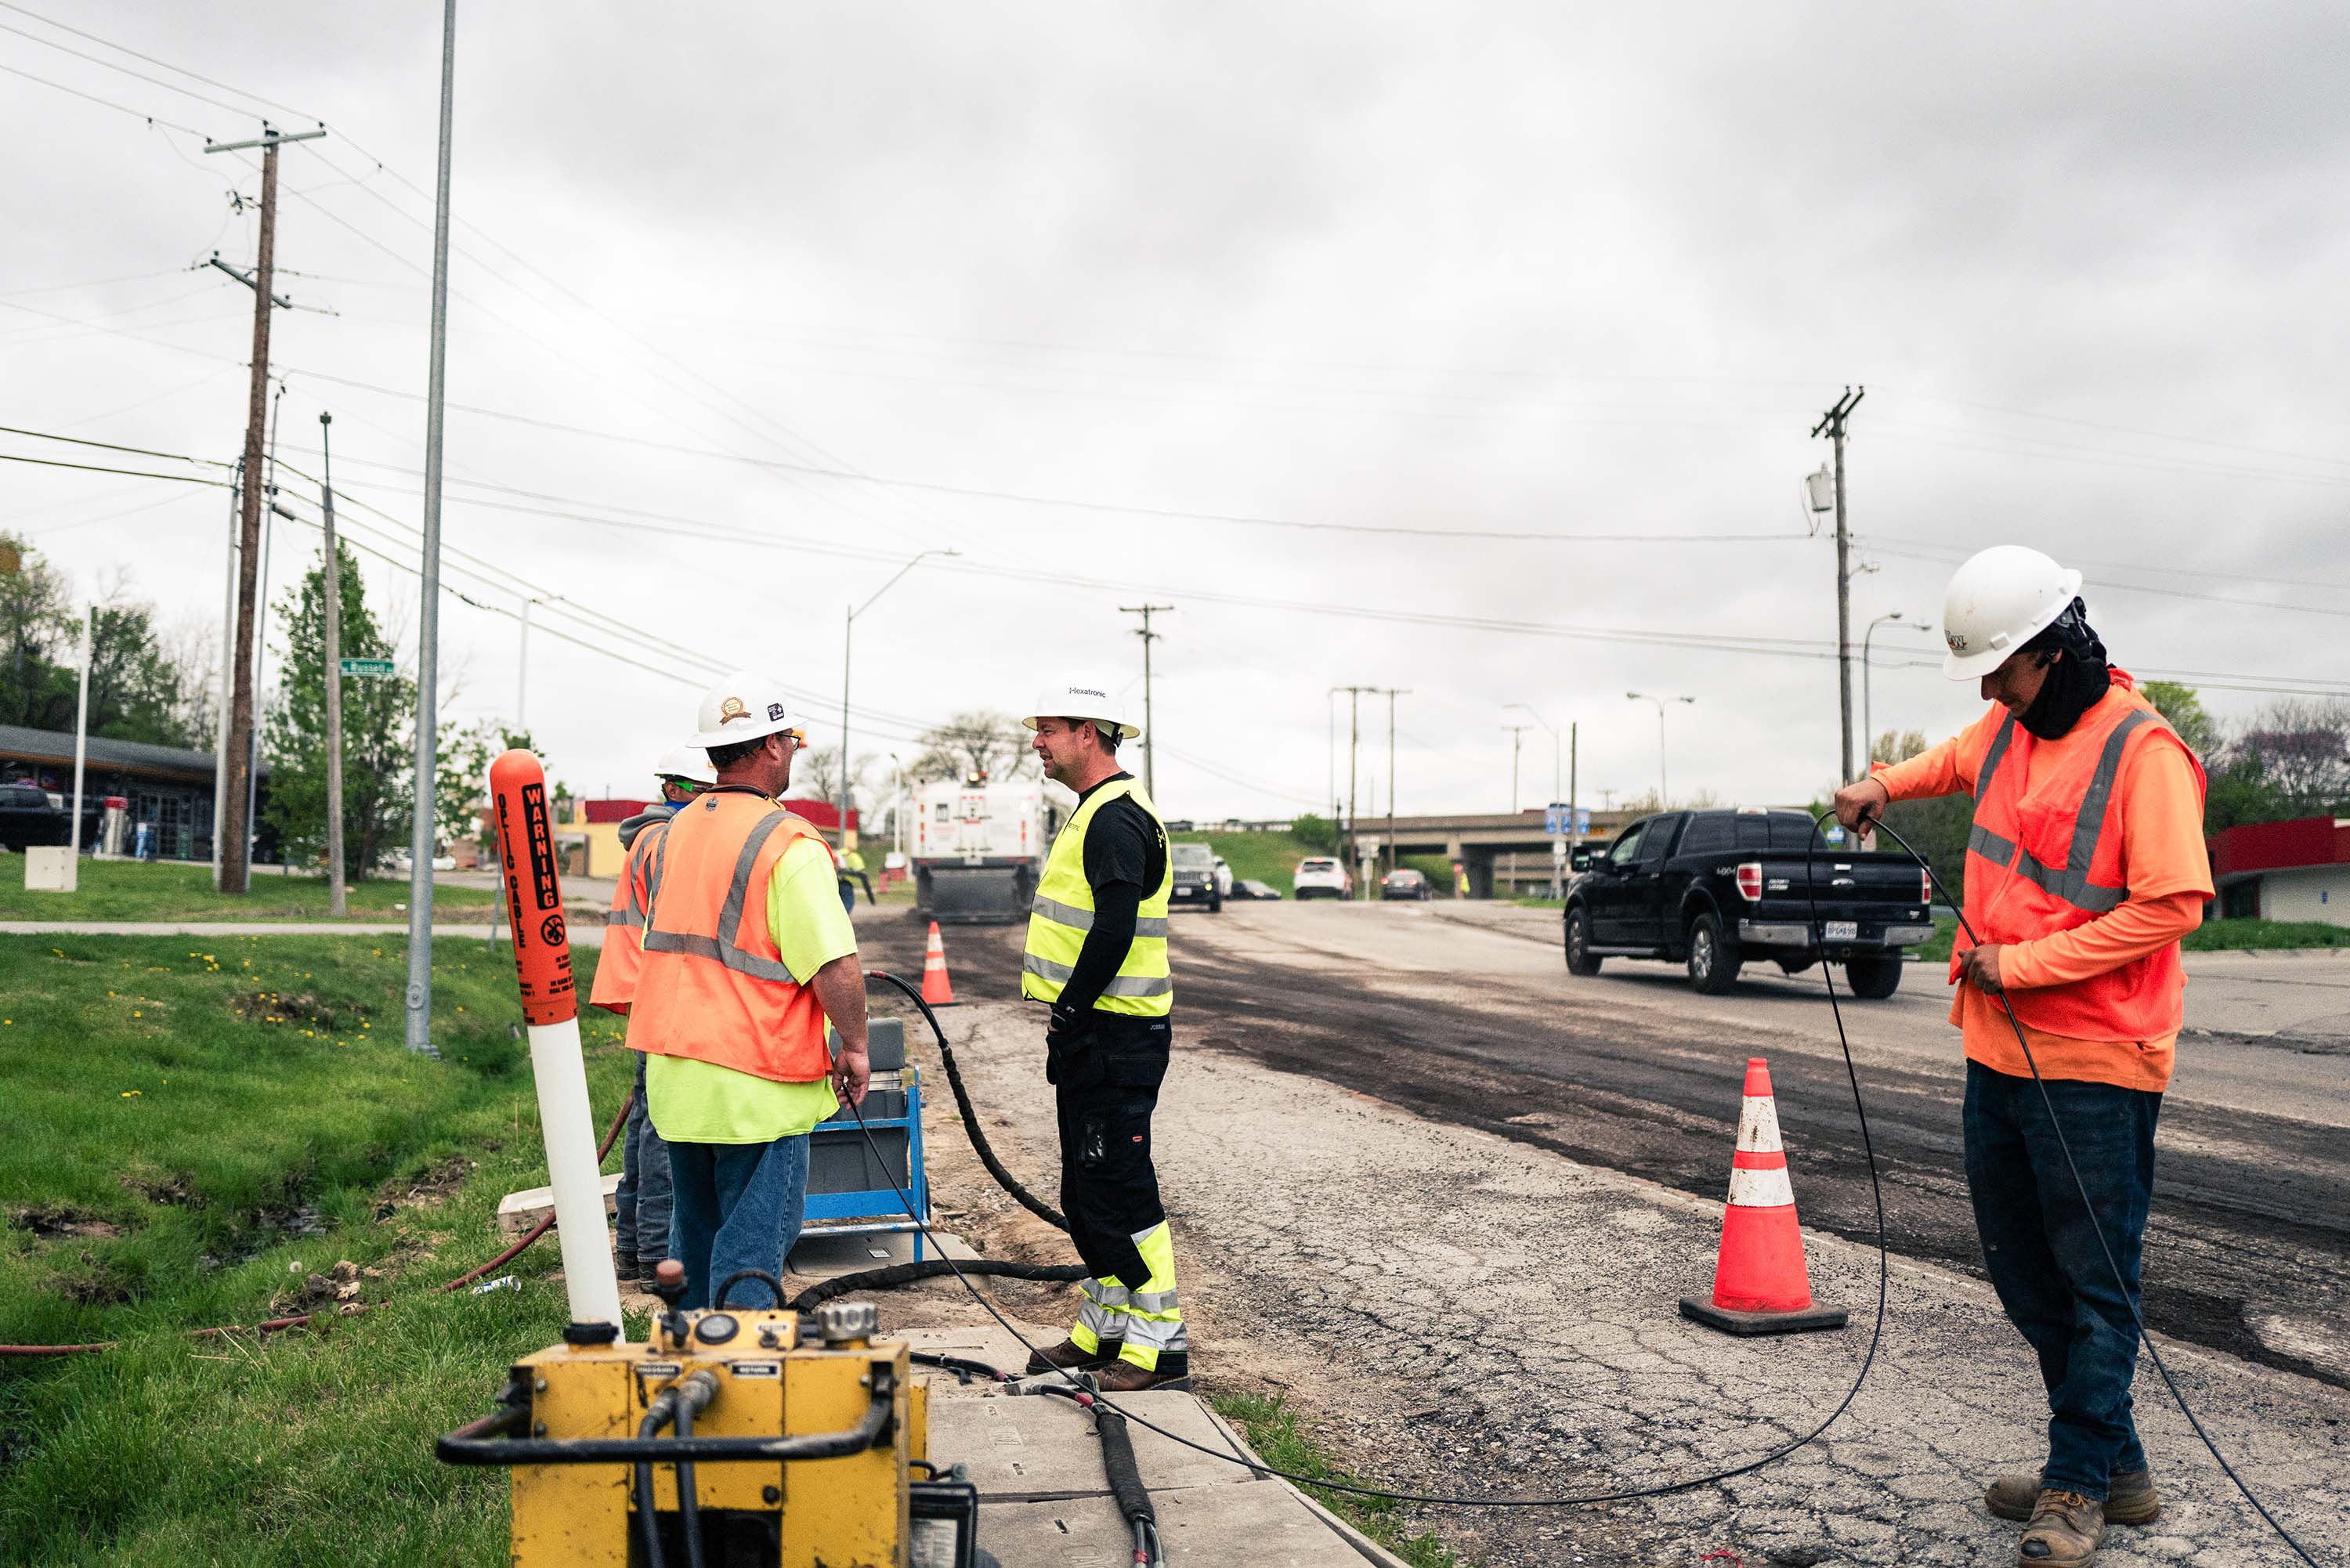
1717	889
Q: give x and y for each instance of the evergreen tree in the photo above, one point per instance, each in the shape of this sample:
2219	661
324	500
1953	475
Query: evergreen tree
379	719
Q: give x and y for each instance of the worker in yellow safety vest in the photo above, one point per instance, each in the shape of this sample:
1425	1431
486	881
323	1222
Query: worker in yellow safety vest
641	1203
1096	953
747	952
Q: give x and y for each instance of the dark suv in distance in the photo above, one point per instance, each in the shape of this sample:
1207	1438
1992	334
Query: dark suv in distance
31	815
1718	889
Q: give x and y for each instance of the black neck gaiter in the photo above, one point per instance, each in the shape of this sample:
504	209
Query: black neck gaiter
2076	681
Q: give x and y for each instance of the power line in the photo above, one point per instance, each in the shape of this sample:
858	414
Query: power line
108	102
126	70
131	473
150	59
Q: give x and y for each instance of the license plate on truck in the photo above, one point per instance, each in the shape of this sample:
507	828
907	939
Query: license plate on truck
1839	931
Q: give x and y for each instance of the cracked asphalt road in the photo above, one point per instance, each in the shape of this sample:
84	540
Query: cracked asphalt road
1363	1154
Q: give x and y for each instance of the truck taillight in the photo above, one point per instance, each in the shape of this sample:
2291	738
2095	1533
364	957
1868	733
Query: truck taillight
1925	887
1750	881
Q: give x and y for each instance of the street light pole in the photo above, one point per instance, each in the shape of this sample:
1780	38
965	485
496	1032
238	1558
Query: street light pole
1557	882
1867	719
848	632
1664	798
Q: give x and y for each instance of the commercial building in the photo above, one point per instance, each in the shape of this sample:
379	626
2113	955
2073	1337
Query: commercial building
2284	870
170	790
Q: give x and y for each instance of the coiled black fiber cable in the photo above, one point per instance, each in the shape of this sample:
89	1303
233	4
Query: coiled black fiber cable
1087	1396
2096	1230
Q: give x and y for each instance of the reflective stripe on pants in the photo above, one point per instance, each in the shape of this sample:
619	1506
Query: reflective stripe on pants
1148	1321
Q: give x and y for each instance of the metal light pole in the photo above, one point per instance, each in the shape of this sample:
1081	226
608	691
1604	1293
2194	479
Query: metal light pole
331	602
1557	880
1867	719
1663	799
421	840
847	633
82	734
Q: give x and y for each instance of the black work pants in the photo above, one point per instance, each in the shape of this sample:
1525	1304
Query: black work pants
1106	1084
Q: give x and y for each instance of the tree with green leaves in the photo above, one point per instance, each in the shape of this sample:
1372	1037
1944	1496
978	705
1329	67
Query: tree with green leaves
1936	828
461	782
138	690
377	726
2183	706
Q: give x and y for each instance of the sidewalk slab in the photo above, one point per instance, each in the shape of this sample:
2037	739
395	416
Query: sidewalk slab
1263	1524
1038	1447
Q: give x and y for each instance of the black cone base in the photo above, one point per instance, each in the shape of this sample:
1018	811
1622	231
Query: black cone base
1749	1324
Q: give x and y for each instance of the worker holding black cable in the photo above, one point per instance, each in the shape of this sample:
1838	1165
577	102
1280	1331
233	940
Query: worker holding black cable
747	954
2085	867
1096	953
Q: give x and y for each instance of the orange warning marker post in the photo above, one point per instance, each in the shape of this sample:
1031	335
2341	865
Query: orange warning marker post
1760	1285
936	988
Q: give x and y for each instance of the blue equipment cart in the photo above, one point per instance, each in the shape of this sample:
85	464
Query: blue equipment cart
848	1191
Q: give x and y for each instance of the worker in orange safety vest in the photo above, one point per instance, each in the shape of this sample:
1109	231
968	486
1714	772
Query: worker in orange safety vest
641	1203
2085	867
747	953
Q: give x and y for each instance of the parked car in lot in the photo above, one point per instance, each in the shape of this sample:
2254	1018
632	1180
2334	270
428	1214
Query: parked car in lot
30	816
1250	887
1719	889
1195	877
1321	877
1403	882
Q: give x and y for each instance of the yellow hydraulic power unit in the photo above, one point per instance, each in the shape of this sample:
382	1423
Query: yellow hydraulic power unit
729	1442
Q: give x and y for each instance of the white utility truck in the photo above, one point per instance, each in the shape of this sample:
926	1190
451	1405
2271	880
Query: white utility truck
977	846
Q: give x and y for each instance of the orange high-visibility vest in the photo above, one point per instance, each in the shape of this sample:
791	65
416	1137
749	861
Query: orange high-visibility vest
713	985
623	955
2047	857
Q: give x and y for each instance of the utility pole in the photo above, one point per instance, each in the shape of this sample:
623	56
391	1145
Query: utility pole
1574	811
1354	746
234	826
1833	423
421	839
227	673
1392	693
1517	739
338	901
1150	730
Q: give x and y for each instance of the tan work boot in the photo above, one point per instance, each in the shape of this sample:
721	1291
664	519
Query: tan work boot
1126	1378
2066	1528
1066	1357
2130	1498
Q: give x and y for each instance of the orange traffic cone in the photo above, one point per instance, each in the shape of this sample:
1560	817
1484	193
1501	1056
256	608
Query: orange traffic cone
1760	1283
936	988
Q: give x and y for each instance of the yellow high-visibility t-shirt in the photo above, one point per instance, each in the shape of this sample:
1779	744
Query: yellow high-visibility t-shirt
701	1102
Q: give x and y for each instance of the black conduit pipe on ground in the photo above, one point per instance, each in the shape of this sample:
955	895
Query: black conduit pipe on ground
897	1274
1125	1481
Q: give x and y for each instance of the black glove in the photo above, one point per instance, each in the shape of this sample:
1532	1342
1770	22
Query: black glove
1063	1026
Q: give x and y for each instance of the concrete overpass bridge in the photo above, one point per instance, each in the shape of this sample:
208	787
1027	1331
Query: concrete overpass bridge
1505	853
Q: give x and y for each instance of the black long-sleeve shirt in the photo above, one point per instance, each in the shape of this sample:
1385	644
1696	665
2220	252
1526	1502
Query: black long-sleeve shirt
1126	856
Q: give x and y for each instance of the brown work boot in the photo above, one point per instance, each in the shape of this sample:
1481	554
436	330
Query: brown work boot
2066	1528
2130	1498
1066	1357
1126	1378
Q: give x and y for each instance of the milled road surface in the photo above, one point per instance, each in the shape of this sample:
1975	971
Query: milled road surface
1466	1013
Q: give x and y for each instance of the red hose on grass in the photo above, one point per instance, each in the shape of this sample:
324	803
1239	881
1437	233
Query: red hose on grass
274	1324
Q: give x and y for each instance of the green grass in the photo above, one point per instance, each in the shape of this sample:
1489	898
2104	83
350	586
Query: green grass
171	891
199	1126
1270	1428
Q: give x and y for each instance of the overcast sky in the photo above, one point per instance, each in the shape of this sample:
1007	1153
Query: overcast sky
1525	269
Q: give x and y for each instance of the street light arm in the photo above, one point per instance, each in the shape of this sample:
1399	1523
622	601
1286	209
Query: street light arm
900	572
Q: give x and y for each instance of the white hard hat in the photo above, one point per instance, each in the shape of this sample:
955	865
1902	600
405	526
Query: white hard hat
1998	601
690	762
743	707
1082	697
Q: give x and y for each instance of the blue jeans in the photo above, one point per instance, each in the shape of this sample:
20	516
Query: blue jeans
739	1206
2042	1254
643	1201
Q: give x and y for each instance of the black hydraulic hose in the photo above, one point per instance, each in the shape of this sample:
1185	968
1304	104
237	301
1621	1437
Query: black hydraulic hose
986	1152
648	1521
1087	1396
689	1504
2111	1264
897	1274
1119	1465
962	1366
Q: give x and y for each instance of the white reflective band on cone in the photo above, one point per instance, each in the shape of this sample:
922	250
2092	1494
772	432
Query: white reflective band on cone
1758	1125
1761	1188
572	1170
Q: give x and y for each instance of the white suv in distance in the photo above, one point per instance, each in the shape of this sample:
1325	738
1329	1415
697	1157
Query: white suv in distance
1321	877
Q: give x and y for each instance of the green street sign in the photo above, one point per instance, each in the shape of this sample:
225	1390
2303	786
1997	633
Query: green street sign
366	669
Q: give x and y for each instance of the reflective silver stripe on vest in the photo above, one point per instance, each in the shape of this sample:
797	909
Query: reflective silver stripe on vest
1991	758
2072	882
1078	919
1123	986
723	947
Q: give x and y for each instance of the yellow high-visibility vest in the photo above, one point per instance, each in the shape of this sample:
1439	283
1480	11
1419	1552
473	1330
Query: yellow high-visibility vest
1064	912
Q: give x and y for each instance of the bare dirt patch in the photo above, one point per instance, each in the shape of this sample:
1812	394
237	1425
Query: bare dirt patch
299	1007
63	1219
